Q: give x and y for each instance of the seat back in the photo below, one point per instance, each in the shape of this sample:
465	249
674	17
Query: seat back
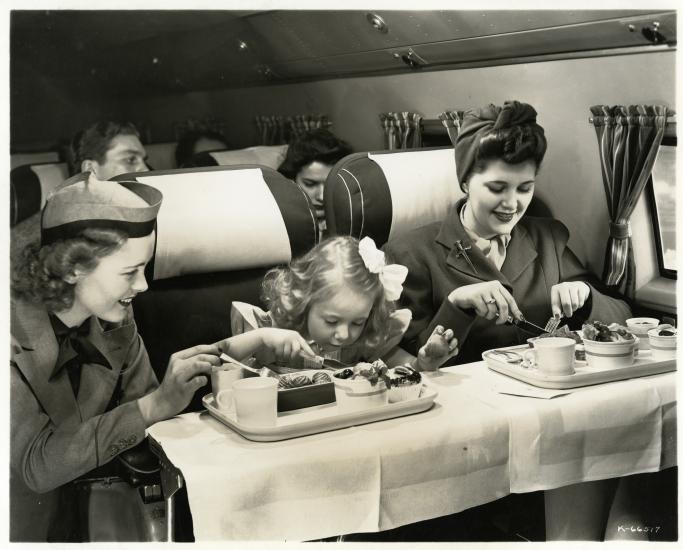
385	194
218	231
30	185
19	159
263	155
161	156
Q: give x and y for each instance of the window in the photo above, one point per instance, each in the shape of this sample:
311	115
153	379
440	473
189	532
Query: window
662	191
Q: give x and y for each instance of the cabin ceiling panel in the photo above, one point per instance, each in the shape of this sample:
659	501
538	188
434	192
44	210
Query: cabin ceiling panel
295	35
151	52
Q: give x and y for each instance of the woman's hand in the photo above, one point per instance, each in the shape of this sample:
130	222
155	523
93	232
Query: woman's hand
440	346
568	297
285	344
490	300
187	371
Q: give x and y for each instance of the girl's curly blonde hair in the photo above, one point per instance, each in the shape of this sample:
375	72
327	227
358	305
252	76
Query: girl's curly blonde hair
332	265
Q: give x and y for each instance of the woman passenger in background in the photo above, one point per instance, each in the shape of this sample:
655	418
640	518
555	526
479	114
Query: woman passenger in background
487	261
309	160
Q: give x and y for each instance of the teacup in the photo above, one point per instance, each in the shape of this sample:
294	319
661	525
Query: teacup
256	401
552	356
639	326
222	378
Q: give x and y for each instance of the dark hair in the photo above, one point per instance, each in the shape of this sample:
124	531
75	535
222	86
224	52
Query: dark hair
513	144
184	151
316	145
38	275
318	275
93	142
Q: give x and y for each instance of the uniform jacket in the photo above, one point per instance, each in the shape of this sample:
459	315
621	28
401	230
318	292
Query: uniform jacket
54	437
537	258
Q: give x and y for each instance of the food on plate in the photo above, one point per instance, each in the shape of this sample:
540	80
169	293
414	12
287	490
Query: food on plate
600	332
404	383
321	378
372	372
666	330
299	380
563	332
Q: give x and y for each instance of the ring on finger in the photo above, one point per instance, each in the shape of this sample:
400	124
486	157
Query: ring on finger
491	301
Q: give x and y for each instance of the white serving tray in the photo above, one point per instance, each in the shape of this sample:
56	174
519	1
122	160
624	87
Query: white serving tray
643	365
322	418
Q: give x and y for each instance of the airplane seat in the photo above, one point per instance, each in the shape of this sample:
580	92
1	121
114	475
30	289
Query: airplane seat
161	156
262	155
218	231
30	185
20	159
385	194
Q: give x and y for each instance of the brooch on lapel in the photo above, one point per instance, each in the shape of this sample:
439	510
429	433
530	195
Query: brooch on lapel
461	250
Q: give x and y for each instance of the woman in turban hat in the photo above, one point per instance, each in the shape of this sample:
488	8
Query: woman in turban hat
488	262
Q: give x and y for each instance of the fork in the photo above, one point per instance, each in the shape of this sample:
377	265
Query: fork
553	323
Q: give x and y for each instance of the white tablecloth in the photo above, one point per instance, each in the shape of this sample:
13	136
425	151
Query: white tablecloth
474	446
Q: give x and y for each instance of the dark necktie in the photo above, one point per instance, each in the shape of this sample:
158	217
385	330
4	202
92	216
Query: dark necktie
75	350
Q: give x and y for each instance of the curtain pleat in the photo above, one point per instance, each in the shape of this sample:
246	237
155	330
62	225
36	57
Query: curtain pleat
451	121
629	139
401	130
278	130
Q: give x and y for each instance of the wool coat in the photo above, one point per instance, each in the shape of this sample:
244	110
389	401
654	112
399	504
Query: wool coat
537	258
56	437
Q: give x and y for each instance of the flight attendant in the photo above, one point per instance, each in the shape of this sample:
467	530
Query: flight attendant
82	389
487	261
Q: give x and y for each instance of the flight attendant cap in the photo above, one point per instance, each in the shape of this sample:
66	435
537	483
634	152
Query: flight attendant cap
84	202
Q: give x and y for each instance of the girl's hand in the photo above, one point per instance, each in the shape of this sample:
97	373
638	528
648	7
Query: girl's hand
568	297
489	299
440	346
285	344
186	372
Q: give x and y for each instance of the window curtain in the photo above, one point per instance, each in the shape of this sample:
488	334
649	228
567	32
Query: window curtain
300	124
629	139
272	129
451	121
401	130
198	125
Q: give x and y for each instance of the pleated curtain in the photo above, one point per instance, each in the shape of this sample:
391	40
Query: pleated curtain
281	129
401	130
629	138
451	121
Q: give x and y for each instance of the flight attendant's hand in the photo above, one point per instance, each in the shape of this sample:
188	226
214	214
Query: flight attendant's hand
187	371
568	297
439	347
490	300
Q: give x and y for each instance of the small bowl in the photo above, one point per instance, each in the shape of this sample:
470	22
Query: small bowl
610	355
359	394
663	347
639	326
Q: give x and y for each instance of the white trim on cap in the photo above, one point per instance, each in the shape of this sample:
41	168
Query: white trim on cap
423	185
217	221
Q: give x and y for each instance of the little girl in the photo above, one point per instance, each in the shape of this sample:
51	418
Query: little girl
341	297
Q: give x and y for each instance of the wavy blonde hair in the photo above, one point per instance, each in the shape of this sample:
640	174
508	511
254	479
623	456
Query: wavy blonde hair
332	265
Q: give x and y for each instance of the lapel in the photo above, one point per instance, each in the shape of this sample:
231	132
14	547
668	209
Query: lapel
453	237
520	253
33	331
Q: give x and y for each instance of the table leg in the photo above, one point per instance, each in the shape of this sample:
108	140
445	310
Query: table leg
579	511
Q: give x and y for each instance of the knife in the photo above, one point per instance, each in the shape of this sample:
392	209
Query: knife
526	326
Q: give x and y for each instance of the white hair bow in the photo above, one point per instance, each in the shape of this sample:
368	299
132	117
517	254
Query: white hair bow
391	276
